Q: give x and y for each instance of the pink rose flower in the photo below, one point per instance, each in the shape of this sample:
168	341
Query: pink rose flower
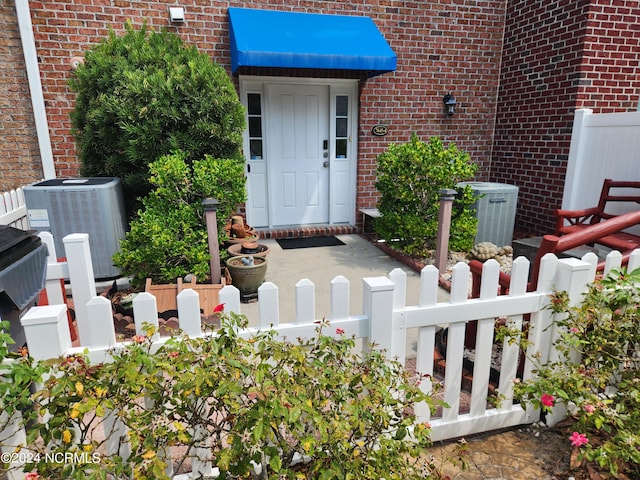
138	338
578	439
589	408
339	331
547	400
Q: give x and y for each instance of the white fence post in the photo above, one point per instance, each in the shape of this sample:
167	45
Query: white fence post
612	261
634	260
83	284
56	271
484	340
145	310
99	322
455	344
399	332
268	305
510	350
47	333
12	438
340	298
46	330
377	298
579	133
189	312
229	296
429	277
572	277
305	302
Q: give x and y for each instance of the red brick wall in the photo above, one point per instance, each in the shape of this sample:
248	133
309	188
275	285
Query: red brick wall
20	156
610	79
558	56
442	46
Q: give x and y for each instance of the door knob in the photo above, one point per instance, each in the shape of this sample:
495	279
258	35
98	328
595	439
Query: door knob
325	164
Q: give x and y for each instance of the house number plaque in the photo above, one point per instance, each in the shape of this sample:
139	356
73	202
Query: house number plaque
380	130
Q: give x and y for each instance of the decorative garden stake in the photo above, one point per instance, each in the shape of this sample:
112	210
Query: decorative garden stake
447	196
210	207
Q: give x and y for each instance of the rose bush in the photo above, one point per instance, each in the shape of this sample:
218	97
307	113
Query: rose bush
258	407
601	390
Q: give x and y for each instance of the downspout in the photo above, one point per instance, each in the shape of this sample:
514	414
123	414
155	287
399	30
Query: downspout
35	87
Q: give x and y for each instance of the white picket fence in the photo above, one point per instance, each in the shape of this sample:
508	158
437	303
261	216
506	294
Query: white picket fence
13	209
386	321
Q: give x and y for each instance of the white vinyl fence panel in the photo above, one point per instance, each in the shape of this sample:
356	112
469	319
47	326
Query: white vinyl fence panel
13	209
605	145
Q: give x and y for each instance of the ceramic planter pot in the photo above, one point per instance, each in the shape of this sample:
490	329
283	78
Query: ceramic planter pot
247	274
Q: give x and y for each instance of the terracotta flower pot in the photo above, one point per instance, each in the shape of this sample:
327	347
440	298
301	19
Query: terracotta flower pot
239	249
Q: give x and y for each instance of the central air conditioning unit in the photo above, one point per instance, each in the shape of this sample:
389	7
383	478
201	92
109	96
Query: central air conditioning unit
495	207
94	205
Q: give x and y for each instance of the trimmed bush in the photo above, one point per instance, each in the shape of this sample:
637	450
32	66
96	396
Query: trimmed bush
146	94
410	176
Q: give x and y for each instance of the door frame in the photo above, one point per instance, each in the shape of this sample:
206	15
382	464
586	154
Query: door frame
342	172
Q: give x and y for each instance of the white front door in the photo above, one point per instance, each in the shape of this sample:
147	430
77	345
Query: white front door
298	153
301	150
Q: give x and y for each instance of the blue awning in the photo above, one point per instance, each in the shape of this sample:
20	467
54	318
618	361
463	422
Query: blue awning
268	38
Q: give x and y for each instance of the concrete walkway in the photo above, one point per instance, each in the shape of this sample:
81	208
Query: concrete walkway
520	454
356	259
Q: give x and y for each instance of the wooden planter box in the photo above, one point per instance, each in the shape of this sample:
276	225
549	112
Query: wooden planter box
166	294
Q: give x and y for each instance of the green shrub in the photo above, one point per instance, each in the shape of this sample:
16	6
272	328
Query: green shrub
168	239
410	176
257	399
146	94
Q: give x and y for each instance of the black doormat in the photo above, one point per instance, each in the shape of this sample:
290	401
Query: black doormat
322	241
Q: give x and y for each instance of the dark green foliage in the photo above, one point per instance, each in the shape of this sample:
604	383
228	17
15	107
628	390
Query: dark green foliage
168	239
410	176
146	94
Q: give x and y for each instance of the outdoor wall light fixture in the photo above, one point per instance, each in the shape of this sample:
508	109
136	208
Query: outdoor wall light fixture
176	14
450	103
